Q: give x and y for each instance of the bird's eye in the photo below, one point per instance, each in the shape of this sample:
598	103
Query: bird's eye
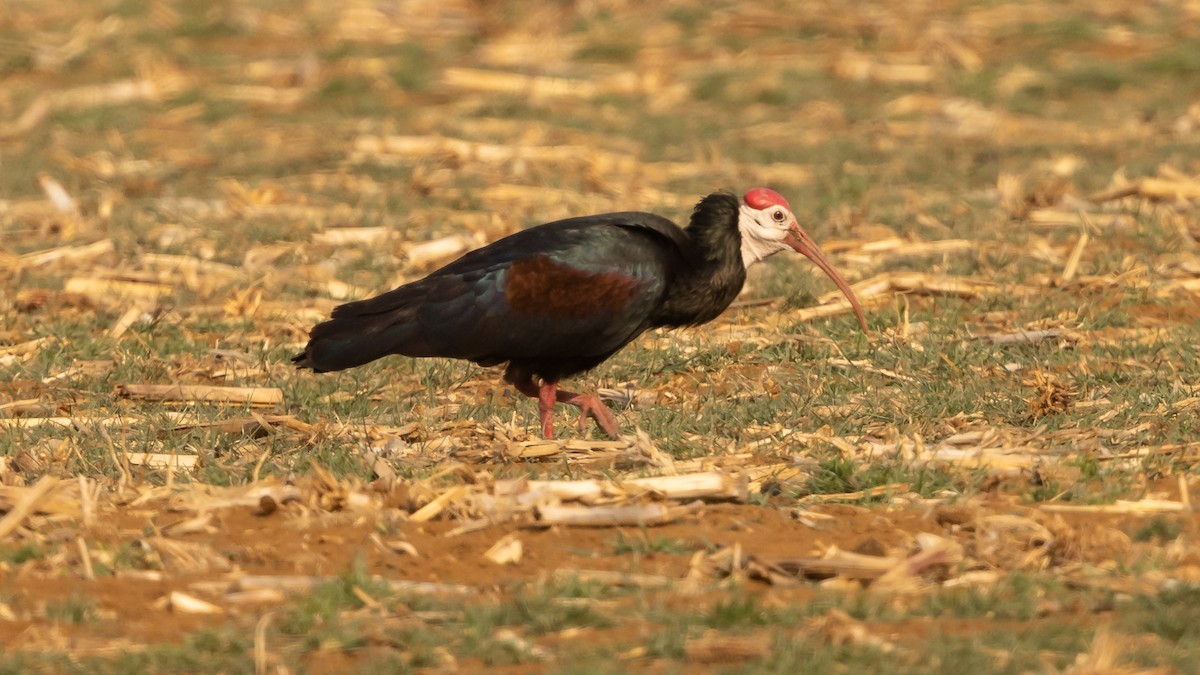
778	216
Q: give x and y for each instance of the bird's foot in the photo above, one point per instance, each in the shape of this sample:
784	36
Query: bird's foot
592	406
589	406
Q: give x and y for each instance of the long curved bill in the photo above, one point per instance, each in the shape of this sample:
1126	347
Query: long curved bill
799	240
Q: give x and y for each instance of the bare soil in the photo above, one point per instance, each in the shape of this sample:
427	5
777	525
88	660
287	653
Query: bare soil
296	541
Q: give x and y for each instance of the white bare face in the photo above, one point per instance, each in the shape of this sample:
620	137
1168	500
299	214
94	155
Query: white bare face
767	227
763	231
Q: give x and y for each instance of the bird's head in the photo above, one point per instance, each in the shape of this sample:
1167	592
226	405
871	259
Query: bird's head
767	226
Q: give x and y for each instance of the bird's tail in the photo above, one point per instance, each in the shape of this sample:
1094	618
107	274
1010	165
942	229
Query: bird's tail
352	339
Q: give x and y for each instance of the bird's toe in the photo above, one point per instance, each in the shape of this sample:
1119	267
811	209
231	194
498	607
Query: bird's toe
604	419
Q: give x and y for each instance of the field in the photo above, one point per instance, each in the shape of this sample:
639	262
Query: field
996	479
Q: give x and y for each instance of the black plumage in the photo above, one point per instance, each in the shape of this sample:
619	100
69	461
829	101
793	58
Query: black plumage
551	301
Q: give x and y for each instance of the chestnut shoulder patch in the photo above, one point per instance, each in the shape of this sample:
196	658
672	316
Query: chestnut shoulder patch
541	286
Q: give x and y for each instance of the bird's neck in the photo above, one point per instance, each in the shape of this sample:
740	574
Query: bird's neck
712	273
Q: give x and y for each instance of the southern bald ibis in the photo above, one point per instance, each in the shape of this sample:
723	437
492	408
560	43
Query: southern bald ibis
560	298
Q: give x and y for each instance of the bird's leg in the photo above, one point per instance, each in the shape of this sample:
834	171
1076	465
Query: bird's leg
548	394
545	398
588	405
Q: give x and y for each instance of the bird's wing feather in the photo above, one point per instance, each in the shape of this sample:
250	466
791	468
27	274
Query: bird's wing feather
581	287
552	238
585	289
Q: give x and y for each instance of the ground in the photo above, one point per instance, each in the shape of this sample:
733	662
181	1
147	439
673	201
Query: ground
997	478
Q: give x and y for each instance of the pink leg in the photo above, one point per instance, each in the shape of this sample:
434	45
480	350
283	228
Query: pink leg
588	405
548	394
545	399
546	409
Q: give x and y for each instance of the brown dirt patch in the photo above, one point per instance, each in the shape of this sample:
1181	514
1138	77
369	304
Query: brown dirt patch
298	541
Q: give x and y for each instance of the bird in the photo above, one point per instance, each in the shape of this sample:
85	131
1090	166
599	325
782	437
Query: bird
558	299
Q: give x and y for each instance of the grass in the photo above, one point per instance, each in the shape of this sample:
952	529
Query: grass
17	555
332	620
74	609
740	95
644	544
